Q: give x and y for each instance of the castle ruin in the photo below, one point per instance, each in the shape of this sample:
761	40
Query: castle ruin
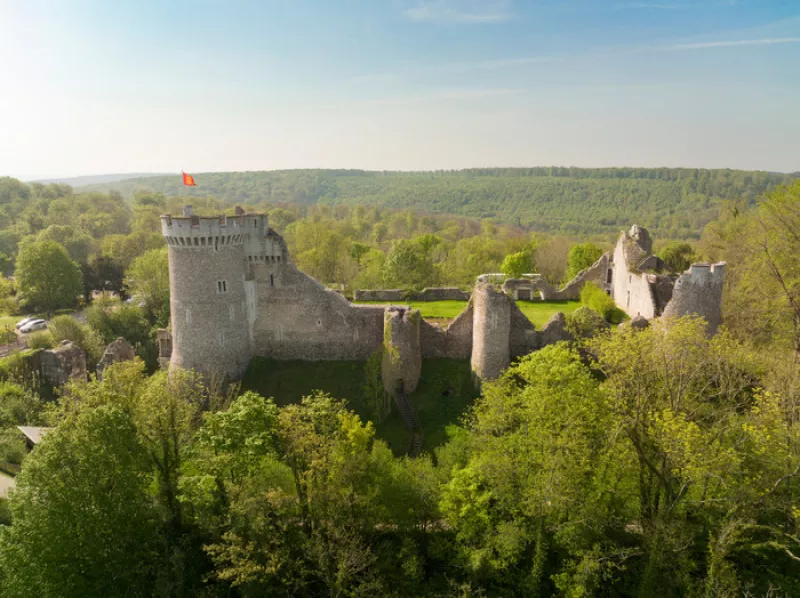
235	294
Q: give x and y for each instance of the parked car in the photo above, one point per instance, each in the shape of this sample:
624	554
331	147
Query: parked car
27	320
37	324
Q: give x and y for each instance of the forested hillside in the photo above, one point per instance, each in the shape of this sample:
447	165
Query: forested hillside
671	202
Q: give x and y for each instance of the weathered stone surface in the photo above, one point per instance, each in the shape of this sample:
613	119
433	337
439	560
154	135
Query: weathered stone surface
65	362
402	357
491	332
698	291
639	322
164	338
427	294
116	351
554	331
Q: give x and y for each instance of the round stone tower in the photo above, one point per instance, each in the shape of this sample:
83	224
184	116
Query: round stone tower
491	331
208	298
402	357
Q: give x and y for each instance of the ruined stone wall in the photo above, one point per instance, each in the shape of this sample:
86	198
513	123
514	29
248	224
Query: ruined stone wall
491	332
402	358
400	295
698	291
631	289
118	350
452	342
537	287
441	294
299	318
522	334
66	362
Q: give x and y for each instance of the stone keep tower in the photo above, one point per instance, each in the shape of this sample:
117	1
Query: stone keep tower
208	295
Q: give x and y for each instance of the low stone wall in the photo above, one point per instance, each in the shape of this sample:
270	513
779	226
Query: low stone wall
381	295
401	295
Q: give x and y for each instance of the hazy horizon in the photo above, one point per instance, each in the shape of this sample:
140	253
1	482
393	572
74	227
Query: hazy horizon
91	88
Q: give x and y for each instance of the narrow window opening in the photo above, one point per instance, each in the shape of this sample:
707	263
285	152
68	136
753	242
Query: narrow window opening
222	286
608	276
271	280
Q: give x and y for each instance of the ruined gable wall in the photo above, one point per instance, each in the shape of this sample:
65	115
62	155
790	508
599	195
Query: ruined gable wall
631	289
298	318
699	291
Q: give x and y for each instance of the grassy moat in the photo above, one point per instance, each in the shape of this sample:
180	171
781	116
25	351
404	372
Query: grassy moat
538	312
444	393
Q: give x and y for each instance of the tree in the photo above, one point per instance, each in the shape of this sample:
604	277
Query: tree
517	264
677	256
148	280
581	256
46	277
408	265
83	523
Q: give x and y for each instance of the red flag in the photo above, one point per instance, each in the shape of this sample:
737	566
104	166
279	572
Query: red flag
188	180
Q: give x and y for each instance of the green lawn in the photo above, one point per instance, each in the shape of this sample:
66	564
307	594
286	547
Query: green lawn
427	309
538	312
444	393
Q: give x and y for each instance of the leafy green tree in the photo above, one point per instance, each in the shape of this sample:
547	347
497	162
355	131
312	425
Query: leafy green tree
408	265
148	280
581	256
83	523
46	276
517	264
677	256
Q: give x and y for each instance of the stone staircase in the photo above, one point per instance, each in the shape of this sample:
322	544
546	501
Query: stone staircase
411	420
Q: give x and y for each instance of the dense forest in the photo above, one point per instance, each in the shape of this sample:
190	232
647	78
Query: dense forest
672	202
624	463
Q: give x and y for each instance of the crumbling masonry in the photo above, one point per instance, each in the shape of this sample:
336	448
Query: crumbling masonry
235	294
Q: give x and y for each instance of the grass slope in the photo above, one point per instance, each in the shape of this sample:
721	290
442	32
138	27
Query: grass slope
444	393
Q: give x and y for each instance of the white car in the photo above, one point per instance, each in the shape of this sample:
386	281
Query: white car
37	324
27	320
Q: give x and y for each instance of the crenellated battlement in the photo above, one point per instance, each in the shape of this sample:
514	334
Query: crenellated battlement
214	232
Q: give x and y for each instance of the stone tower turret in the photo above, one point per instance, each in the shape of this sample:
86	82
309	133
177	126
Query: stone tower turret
208	291
491	332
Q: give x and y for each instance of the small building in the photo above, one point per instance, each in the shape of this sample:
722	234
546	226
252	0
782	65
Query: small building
33	435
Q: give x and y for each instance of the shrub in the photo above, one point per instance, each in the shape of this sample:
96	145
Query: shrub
596	299
40	340
112	321
585	322
68	328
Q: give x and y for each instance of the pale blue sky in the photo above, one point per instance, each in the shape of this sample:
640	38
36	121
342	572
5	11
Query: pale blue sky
100	86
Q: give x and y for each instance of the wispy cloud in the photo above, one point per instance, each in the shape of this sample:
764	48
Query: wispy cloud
460	11
768	41
661	5
593	54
